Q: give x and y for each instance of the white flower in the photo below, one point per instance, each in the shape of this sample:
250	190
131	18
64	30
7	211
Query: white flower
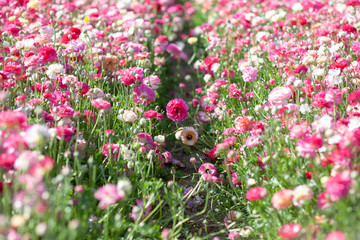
159	138
305	108
124	185
354	123
54	70
128	116
29	44
37	135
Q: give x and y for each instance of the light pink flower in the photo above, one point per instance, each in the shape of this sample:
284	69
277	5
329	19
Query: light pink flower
249	74
282	199
108	195
335	235
279	95
100	103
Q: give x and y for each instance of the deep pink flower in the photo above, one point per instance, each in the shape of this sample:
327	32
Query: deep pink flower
308	145
108	195
144	94
256	193
131	75
338	186
111	148
177	109
100	103
289	231
64	133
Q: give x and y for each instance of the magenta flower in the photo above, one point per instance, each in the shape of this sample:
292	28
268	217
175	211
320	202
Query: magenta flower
143	94
177	109
108	195
338	186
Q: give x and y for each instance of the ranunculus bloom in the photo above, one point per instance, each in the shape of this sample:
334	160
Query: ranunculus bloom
128	116
335	235
302	193
145	140
111	149
338	186
208	172
143	94
308	145
289	231
279	95
282	199
177	109
256	193
189	136
108	195
100	103
243	124
64	133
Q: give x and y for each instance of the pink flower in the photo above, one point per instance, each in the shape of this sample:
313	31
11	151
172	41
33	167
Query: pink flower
65	111
249	74
108	195
282	199
145	141
256	193
112	149
234	236
100	103
12	120
279	95
143	94
177	109
173	49
338	186
137	209
289	231
335	235
64	133
207	170
323	200
203	117
356	48
131	75
308	145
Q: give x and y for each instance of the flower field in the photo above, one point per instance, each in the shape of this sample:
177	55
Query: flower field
170	119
